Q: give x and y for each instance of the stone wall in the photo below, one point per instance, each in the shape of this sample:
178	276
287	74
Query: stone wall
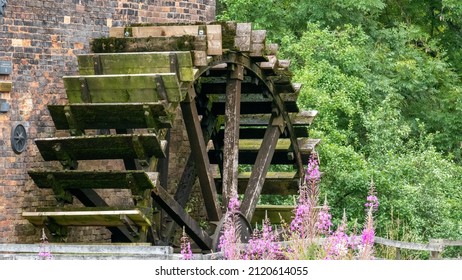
41	39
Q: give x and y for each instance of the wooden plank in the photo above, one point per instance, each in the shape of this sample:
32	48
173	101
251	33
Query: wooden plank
446	242
283	154
242	42
258	43
260	168
276	183
90	198
408	245
271	64
110	115
281	145
150	44
214	40
92	147
198	149
122	88
304	118
108	218
182	218
274	213
228	34
217	85
136	180
156	31
253	103
231	137
284	64
259	132
137	63
272	49
200	58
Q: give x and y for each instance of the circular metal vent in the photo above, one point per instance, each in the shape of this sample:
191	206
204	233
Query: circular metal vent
19	139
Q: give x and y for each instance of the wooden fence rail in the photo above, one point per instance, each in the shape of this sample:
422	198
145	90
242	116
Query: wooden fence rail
434	246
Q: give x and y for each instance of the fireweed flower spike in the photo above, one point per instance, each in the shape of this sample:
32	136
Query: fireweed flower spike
262	245
337	245
372	200
304	223
186	252
366	247
229	243
324	219
44	253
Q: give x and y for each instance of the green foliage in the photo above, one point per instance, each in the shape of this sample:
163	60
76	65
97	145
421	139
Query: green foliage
385	78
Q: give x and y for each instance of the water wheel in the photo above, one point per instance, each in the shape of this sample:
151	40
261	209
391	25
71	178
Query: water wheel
239	108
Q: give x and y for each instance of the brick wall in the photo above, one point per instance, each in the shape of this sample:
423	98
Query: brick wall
42	38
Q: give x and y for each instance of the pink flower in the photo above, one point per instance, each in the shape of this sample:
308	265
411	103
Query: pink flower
44	253
186	252
337	245
366	247
312	170
229	242
372	202
263	245
324	219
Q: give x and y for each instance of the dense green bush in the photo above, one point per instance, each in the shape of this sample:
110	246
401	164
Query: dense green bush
386	82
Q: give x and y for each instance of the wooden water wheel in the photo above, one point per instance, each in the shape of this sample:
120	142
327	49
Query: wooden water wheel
239	108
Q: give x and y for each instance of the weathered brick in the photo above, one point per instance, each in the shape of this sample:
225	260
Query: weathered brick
42	39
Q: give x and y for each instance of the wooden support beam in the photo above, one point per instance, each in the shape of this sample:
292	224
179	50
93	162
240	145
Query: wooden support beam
231	139
182	218
73	125
189	175
91	198
260	168
198	148
61	194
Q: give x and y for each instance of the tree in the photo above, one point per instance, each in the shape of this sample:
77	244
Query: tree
385	78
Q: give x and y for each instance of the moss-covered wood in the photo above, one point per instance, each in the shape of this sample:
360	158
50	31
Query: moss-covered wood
259	132
138	63
93	147
111	115
136	180
122	88
254	103
303	118
149	44
273	213
276	183
248	149
282	144
88	217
